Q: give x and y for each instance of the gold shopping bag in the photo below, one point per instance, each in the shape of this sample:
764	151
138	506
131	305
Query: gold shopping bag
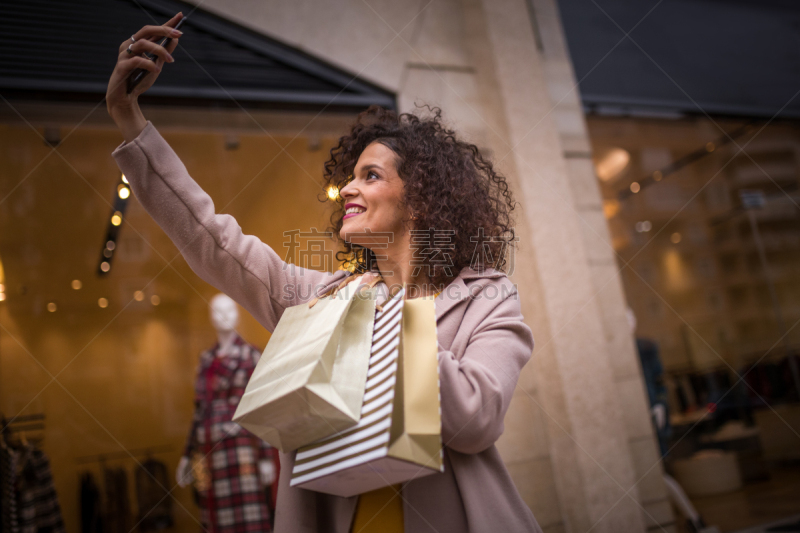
309	383
399	435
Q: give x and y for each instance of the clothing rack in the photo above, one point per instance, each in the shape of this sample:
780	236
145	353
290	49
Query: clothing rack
12	423
23	424
26	477
138	452
27	427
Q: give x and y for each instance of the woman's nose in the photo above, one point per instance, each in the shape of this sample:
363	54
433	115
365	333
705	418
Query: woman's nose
348	191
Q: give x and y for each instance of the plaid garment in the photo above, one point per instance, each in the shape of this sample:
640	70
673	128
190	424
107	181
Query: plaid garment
38	508
236	502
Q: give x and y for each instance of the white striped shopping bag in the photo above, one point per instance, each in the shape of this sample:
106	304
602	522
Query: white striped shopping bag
398	437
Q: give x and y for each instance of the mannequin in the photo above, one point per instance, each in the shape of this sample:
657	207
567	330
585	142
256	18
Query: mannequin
653	374
214	440
657	397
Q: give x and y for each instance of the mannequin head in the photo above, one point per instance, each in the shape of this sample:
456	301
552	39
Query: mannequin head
224	313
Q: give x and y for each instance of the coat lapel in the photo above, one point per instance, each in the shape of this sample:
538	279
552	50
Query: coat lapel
455	292
458	289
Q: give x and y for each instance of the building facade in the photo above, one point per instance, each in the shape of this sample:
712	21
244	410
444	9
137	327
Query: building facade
578	441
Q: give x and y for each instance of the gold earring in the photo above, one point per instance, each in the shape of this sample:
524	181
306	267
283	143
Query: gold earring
413	217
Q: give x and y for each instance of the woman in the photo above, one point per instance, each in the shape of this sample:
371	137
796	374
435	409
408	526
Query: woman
396	175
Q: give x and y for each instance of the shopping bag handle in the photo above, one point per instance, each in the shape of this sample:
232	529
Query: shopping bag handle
372	283
379	307
344	282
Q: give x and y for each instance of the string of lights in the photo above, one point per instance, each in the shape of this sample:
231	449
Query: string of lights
123	193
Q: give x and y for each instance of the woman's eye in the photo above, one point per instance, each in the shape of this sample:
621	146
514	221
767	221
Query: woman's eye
372	175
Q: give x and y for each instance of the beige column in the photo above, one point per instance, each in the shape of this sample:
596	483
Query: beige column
603	266
573	373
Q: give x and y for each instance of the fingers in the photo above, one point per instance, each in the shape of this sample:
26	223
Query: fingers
151	32
367	280
172	45
140	47
142	62
174	20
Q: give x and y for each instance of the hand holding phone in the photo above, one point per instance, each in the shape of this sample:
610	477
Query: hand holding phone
138	75
121	98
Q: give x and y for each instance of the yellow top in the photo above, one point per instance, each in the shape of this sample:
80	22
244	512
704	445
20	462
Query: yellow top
380	511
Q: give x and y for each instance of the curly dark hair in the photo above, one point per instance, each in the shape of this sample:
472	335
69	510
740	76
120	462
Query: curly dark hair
449	185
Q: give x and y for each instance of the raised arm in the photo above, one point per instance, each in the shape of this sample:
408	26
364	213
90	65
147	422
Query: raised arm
239	265
476	389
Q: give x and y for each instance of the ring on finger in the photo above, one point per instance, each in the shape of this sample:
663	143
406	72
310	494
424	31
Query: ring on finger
129	49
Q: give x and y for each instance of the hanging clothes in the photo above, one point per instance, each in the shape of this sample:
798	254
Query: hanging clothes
91	513
155	505
38	509
9	522
117	508
234	501
653	373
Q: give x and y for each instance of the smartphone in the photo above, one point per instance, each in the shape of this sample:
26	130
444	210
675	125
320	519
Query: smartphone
138	74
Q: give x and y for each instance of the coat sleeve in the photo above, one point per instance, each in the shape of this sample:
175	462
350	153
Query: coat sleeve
476	390
240	265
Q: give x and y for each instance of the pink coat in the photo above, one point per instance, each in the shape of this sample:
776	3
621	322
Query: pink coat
483	345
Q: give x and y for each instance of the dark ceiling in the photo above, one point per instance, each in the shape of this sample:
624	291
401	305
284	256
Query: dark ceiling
53	50
730	58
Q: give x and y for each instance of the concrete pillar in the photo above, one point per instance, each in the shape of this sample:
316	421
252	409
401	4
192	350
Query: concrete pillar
603	266
573	371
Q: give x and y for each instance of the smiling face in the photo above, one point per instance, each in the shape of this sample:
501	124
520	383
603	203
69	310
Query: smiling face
374	198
